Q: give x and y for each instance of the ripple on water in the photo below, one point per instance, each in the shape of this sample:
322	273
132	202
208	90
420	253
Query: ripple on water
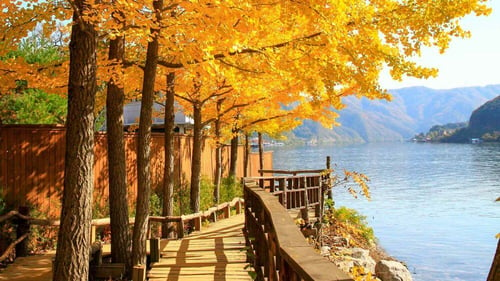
432	204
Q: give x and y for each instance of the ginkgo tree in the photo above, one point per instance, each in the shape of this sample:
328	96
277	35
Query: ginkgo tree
321	50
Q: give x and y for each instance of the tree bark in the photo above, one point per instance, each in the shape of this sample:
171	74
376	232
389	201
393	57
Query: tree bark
168	172
234	155
144	146
118	203
218	153
196	159
494	274
261	154
72	256
246	157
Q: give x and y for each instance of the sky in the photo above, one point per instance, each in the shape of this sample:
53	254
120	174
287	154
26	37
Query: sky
468	62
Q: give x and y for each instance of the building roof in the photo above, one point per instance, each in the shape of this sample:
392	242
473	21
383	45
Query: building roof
131	113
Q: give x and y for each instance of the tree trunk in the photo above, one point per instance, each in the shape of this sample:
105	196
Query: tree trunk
118	203
246	158
261	154
168	172
494	274
72	256
196	159
234	155
218	172
144	147
218	154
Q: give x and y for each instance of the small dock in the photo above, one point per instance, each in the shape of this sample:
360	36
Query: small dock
215	253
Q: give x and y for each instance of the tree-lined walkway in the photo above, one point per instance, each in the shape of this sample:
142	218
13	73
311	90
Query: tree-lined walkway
215	253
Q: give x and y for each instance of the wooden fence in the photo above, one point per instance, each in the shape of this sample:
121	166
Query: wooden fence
32	165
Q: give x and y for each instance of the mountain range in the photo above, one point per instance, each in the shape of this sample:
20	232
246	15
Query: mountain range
411	111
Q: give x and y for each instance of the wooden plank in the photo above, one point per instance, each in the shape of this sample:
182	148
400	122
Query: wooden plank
215	253
38	268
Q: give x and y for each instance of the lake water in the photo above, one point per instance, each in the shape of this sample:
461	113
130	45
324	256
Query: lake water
432	204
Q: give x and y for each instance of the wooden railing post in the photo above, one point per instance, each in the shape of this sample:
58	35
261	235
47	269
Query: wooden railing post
304	212
237	206
227	211
285	194
180	229
197	223
93	234
23	227
139	273
328	166
154	249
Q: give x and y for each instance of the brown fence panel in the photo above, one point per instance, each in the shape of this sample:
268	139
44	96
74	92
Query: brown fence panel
32	165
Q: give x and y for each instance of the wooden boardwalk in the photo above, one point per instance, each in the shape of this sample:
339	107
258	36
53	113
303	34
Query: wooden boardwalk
31	268
215	253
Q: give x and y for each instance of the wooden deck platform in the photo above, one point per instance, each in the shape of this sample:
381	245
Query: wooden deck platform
34	268
31	268
215	253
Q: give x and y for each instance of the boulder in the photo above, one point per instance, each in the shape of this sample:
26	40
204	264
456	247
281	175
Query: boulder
340	241
361	257
392	271
344	265
325	251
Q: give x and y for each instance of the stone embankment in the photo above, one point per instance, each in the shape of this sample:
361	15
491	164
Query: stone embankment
366	261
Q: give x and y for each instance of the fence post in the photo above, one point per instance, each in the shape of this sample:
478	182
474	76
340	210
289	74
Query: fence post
93	234
197	223
180	229
328	165
304	212
139	273
23	227
154	249
237	206
227	211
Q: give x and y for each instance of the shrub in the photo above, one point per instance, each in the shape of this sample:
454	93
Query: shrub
230	188
349	222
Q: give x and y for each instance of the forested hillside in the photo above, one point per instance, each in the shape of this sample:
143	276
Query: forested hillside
484	123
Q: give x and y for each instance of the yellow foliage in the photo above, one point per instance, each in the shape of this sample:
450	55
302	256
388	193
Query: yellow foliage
271	64
359	274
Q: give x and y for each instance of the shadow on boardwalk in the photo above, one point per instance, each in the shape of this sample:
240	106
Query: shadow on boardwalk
31	268
215	253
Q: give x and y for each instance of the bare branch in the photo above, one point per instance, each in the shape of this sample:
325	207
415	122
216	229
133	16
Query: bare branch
244	51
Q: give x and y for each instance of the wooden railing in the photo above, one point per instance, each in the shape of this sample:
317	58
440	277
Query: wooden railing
277	249
296	189
221	211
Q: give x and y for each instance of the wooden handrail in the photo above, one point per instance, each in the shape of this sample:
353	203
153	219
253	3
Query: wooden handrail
12	245
278	249
291	172
197	217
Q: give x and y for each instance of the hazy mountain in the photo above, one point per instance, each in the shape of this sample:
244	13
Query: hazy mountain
412	110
